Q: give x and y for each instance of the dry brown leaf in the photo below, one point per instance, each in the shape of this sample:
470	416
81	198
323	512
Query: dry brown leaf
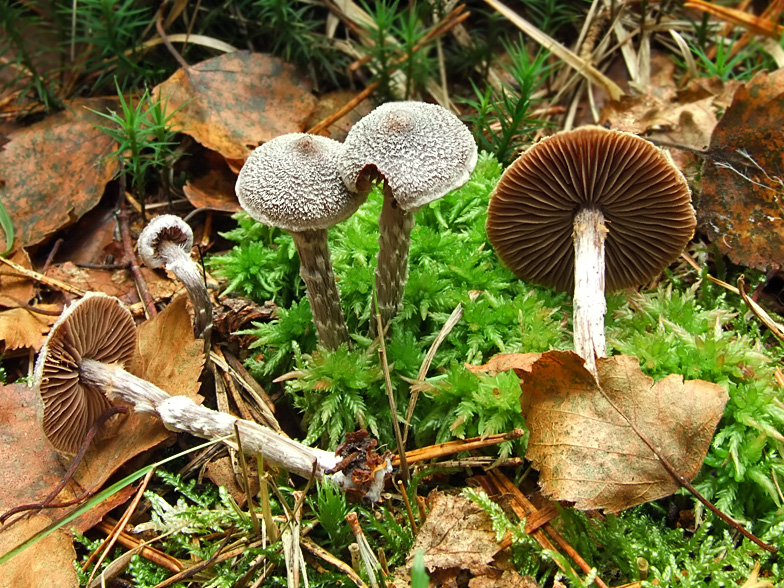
503	362
741	207
16	289
234	102
213	185
117	283
30	468
586	449
47	564
456	537
168	354
52	172
21	328
683	117
330	103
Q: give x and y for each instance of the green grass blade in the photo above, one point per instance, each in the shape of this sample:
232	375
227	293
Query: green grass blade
8	228
100	497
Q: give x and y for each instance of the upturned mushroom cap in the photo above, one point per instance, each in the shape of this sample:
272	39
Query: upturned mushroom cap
644	198
422	151
292	183
96	327
164	228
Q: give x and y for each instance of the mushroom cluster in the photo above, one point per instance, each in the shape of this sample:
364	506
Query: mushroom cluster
305	184
586	211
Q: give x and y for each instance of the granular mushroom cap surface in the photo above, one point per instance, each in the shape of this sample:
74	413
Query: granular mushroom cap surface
95	327
422	151
644	198
292	183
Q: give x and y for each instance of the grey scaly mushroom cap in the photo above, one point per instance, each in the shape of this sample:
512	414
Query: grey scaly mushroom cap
292	183
644	198
164	228
96	327
422	151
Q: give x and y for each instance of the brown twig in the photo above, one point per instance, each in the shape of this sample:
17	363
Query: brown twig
452	447
130	256
157	557
506	485
167	43
42	279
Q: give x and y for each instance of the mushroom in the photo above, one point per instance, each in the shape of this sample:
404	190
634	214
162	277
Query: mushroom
167	241
420	152
82	362
292	183
92	329
589	210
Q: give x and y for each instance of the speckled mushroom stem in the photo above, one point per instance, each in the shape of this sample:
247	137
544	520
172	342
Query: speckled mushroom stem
394	225
590	305
179	413
181	265
316	271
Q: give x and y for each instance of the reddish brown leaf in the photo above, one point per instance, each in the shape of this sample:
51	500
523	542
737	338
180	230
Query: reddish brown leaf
741	206
51	171
234	102
457	536
16	289
30	468
583	439
215	188
47	563
21	328
330	103
117	283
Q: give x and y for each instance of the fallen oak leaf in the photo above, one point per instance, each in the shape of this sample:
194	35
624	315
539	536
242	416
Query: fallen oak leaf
586	436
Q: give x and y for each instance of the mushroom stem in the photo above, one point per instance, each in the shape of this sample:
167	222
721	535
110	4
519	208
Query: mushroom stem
316	271
180	413
179	262
590	305
395	225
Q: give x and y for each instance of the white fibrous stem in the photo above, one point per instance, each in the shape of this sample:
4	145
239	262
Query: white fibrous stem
179	413
590	305
322	290
179	262
395	225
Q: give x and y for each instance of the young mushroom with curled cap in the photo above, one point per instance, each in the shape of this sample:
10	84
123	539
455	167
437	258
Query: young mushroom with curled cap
167	241
420	152
81	366
292	183
589	210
